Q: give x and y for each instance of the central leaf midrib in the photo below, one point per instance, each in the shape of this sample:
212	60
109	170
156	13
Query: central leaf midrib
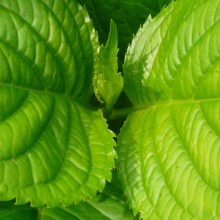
14	211
41	92
174	102
160	167
134	108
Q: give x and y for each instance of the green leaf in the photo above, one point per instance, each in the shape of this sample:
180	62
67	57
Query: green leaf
127	14
53	148
106	206
9	211
107	82
169	148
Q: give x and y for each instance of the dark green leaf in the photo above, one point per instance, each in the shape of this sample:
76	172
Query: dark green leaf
127	14
52	148
9	211
108	205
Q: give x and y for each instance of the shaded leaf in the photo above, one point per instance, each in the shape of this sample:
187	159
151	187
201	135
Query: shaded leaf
9	211
106	206
127	14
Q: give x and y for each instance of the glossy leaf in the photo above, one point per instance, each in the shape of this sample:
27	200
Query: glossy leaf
107	82
169	148
52	148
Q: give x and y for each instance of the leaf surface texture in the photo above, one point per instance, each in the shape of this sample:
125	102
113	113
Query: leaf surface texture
169	148
53	148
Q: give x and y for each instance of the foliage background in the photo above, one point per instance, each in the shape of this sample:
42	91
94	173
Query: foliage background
129	16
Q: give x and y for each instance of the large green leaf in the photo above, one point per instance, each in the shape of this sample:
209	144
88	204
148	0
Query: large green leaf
52	148
169	148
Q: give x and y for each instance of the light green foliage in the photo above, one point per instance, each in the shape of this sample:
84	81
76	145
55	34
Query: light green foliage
56	151
169	148
107	82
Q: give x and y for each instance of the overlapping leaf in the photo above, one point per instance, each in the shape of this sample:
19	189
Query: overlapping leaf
127	14
110	204
52	149
169	148
106	206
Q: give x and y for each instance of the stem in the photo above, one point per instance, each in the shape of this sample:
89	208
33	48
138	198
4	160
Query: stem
39	211
121	113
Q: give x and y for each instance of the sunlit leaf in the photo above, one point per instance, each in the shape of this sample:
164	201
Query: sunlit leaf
169	148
